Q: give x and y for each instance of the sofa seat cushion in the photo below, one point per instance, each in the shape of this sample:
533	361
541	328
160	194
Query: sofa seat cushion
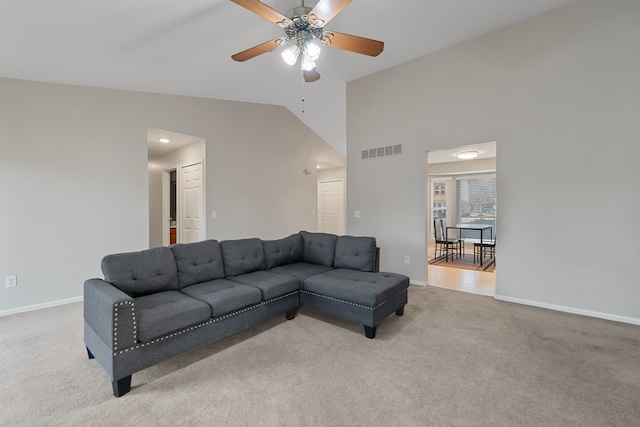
301	270
359	287
163	312
224	296
198	262
271	284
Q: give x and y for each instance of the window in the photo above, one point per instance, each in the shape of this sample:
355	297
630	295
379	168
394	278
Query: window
477	203
439	210
439	200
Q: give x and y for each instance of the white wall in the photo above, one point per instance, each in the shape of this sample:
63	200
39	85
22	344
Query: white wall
559	93
73	167
190	153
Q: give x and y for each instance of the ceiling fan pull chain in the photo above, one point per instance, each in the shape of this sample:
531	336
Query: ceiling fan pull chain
303	96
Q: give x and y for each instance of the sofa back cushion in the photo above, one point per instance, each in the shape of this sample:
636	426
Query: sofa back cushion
318	248
356	253
198	262
242	256
282	251
141	273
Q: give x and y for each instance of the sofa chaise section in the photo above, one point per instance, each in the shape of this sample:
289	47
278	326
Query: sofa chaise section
354	289
361	297
340	276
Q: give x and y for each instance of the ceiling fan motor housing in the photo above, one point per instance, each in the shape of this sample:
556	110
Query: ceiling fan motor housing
301	26
298	11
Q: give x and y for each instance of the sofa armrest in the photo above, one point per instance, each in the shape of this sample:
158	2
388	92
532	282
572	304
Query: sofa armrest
110	313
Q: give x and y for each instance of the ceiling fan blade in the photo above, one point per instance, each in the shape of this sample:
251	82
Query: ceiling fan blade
326	10
261	9
354	43
311	75
256	50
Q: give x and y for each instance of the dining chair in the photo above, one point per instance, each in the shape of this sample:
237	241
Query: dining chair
444	245
481	249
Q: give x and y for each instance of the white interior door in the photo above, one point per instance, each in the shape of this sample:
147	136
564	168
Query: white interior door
331	206
192	224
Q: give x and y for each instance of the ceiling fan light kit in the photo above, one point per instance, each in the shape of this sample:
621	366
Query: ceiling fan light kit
304	26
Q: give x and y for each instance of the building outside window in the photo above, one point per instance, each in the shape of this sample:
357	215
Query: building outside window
439	200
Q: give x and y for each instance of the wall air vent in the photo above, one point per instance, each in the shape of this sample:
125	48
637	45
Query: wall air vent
389	150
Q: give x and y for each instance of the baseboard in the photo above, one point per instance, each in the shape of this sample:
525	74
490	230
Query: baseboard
415	282
572	310
39	306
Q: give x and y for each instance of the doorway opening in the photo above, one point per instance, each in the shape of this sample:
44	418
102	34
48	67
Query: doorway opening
171	205
176	188
462	193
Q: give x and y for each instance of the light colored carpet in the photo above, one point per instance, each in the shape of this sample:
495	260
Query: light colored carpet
453	359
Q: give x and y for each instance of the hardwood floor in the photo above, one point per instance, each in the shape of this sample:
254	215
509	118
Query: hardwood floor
475	282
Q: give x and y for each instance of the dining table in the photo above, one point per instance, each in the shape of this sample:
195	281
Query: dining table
482	228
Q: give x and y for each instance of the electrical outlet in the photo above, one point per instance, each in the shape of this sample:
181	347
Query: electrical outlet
407	259
11	281
356	214
214	214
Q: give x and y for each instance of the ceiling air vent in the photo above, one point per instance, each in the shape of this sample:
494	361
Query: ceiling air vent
389	150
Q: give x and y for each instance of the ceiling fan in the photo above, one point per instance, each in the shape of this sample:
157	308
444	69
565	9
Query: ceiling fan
305	27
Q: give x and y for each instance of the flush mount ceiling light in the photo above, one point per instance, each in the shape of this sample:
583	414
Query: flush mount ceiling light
164	140
467	155
304	26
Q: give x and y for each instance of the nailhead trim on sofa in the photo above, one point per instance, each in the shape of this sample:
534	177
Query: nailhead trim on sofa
208	322
115	322
343	301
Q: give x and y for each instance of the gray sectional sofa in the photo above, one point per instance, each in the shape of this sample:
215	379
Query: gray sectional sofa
157	303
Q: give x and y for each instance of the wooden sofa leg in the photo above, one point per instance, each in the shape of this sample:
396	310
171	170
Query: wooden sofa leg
290	314
400	311
370	331
91	356
121	386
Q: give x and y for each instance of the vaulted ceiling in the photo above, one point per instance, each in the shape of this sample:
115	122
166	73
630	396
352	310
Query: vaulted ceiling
184	47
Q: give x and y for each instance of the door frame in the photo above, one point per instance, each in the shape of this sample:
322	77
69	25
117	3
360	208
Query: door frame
166	200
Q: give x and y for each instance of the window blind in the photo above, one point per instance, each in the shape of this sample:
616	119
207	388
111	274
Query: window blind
476	204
